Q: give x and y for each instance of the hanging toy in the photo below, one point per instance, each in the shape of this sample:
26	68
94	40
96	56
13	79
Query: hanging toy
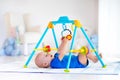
66	33
47	48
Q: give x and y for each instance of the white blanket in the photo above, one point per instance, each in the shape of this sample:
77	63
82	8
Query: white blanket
111	69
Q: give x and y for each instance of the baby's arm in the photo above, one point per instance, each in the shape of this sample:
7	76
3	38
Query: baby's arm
62	50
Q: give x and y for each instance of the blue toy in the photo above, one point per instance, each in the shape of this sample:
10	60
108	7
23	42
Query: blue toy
64	20
10	48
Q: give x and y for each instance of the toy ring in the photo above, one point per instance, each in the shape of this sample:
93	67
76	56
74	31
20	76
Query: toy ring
66	32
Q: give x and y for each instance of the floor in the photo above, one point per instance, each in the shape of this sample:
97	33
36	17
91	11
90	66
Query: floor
46	76
39	76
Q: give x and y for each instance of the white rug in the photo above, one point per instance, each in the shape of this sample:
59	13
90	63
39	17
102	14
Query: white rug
95	69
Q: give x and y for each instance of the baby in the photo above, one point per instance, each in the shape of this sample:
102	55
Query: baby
60	60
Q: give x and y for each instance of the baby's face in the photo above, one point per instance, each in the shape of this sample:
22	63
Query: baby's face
46	57
43	59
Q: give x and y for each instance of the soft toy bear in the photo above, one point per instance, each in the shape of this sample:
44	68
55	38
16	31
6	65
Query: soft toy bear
10	47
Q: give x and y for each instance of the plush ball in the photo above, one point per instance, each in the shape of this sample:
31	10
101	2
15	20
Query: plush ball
11	41
10	47
16	52
8	50
2	52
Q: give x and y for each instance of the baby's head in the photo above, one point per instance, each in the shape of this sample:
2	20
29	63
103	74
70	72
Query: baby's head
43	60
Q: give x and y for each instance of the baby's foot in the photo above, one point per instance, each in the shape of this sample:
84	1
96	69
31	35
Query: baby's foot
93	57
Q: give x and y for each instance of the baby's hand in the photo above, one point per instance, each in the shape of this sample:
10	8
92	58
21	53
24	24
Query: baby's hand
69	37
65	40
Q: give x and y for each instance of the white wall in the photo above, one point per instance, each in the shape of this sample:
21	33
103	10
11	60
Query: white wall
109	27
84	10
46	10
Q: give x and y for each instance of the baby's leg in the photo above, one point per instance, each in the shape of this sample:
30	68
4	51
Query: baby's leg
93	57
83	59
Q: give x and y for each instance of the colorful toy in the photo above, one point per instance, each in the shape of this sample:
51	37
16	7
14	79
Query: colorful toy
83	50
46	49
11	46
69	37
64	20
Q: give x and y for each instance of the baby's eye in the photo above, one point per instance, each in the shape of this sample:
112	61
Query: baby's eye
51	55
